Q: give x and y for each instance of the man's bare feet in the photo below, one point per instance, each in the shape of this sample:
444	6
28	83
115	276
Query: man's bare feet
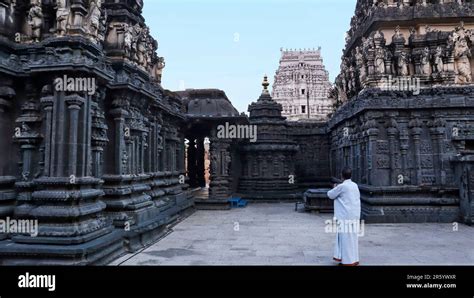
349	265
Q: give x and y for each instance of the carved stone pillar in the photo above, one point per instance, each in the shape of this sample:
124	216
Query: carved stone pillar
27	127
373	133
220	184
404	146
99	139
416	131
78	12
464	172
120	152
392	131
200	162
438	131
7	180
74	104
7	17
192	165
72	228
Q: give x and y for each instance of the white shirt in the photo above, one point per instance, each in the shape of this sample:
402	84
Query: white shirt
346	198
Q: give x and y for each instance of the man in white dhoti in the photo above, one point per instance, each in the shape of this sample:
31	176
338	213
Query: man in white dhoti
346	198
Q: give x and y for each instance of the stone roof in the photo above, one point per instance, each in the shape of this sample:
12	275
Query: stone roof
207	103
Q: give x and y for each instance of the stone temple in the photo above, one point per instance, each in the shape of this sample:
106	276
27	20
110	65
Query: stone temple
104	158
302	86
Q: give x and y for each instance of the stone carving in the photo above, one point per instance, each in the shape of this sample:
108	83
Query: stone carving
142	46
102	32
93	19
416	150
425	67
35	19
159	65
438	64
461	39
383	162
402	64
62	15
380	61
104	152
382	147
128	39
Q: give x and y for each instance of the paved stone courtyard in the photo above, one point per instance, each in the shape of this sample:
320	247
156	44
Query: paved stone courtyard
274	234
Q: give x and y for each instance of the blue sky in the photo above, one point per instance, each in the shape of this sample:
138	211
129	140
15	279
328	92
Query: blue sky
231	44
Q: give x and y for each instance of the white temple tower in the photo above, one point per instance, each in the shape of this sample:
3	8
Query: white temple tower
302	85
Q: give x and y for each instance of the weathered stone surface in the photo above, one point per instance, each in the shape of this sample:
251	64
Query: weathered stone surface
404	99
94	147
96	144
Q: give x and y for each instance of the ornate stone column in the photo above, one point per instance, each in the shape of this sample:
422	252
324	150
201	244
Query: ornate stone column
78	12
464	172
192	165
74	104
438	131
392	132
72	228
28	137
416	130
373	133
220	184
99	137
120	151
404	146
7	179
200	162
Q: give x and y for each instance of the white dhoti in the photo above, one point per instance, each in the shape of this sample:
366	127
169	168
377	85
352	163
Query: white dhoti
347	208
346	247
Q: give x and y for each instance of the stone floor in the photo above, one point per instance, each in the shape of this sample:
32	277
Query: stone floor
274	234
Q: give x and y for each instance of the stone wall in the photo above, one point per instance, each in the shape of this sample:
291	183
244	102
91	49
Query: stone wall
312	163
99	168
405	100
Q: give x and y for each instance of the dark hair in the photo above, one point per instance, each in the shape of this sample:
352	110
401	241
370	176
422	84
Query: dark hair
347	173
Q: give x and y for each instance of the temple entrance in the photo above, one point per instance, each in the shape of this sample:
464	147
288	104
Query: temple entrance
198	166
210	169
196	162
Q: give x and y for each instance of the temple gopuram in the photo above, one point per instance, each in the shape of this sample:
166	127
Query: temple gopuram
302	86
105	159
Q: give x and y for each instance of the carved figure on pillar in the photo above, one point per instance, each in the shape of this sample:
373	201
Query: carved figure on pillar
402	64
35	20
102	27
142	47
62	15
360	65
425	67
380	61
93	19
128	40
438	64
462	55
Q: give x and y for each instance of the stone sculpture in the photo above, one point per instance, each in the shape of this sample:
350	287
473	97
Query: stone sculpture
62	16
35	20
